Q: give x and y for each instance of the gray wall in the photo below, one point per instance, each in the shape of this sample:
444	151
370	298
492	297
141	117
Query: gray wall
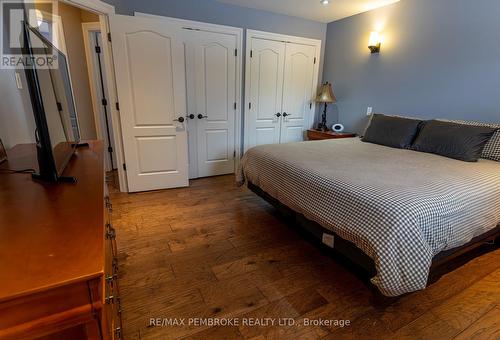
440	59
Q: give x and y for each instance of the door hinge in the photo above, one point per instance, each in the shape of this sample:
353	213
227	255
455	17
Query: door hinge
250	105
251	54
310	105
98	49
104	102
117	106
235	52
314	60
110	149
234	154
59	107
109	36
124	167
235	105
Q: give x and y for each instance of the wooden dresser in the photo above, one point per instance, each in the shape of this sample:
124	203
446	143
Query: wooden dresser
58	268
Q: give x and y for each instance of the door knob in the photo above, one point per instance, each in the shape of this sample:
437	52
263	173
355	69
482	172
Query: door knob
286	114
200	116
190	116
180	120
278	114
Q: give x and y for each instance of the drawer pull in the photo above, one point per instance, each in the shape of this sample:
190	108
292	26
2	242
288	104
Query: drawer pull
109	299
111	233
107	201
111	278
118	332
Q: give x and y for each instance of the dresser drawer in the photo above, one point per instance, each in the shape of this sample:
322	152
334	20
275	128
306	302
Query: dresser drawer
49	312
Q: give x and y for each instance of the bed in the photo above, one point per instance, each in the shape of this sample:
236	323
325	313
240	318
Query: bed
403	210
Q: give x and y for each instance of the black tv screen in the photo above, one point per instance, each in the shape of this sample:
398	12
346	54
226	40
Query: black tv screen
51	95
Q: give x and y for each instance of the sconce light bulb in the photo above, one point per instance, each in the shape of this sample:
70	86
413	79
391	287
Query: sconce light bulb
374	42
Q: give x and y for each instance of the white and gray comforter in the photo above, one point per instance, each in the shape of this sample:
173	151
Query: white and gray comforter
400	207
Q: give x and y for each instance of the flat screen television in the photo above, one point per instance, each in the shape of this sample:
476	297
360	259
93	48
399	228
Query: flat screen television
57	133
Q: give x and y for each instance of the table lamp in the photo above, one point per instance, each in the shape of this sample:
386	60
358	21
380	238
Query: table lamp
325	96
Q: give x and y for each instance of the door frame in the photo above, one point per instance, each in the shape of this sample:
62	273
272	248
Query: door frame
103	9
214	28
88	28
251	34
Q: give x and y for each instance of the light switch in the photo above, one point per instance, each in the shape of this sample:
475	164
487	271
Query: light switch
19	83
369	110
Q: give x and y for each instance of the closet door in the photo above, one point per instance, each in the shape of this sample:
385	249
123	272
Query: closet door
266	91
298	91
151	86
215	88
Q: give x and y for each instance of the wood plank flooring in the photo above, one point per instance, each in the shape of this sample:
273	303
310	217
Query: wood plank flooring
215	250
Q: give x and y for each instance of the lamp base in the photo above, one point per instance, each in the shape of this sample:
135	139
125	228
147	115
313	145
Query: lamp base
322	127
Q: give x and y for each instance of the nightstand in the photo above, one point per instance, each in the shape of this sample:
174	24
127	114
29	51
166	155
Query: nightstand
318	135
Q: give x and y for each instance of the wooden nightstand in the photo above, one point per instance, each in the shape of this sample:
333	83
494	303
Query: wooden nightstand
318	135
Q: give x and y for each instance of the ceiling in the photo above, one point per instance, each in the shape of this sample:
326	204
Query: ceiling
313	9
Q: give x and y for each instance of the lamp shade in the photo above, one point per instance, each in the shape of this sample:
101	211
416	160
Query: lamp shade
325	94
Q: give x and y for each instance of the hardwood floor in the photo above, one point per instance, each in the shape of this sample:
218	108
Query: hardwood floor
215	250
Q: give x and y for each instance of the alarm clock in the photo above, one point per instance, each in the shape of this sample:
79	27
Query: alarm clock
338	127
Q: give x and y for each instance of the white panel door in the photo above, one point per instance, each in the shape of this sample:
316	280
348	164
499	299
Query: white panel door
266	91
150	79
215	97
298	92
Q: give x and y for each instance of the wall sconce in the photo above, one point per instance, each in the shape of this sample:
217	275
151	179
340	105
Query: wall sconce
375	42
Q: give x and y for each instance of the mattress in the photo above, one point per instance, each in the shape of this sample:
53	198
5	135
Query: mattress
400	207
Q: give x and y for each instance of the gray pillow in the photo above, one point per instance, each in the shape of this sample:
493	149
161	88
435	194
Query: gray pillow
396	132
492	148
458	141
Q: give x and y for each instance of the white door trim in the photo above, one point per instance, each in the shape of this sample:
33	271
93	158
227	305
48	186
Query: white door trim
251	34
283	37
96	6
95	89
87	28
238	32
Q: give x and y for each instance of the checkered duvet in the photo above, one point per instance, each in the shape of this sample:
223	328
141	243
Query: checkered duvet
400	207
